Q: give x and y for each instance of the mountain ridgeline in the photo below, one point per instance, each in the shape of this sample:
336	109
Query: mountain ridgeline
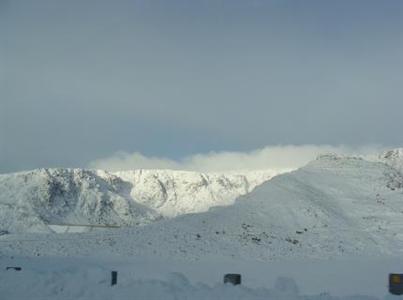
335	205
36	200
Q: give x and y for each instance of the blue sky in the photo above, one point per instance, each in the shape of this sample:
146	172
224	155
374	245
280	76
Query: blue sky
82	80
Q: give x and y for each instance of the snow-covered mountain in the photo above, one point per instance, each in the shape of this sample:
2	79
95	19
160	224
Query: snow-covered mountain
333	206
173	193
31	201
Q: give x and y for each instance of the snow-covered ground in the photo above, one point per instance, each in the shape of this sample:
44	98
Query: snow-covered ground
153	278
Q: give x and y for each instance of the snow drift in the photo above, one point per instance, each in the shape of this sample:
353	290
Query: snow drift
93	282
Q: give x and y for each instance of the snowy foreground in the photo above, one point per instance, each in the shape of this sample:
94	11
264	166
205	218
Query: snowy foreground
89	278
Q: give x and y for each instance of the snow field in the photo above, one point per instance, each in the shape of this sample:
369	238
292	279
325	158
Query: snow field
149	278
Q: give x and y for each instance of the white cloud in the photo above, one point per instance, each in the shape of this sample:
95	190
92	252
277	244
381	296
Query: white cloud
271	157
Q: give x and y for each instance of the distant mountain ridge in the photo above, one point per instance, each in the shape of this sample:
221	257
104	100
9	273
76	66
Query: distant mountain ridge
173	193
31	201
335	205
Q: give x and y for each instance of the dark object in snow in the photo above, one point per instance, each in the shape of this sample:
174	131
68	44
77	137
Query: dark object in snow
13	268
256	239
234	279
114	277
292	241
4	232
396	284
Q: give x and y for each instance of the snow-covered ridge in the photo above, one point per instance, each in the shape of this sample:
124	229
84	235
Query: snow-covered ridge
173	193
333	206
31	201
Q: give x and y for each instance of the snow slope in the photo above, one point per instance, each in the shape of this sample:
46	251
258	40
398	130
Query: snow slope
37	200
333	206
394	158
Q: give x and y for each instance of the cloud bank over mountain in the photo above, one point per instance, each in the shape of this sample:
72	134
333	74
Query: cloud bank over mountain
175	78
278	158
